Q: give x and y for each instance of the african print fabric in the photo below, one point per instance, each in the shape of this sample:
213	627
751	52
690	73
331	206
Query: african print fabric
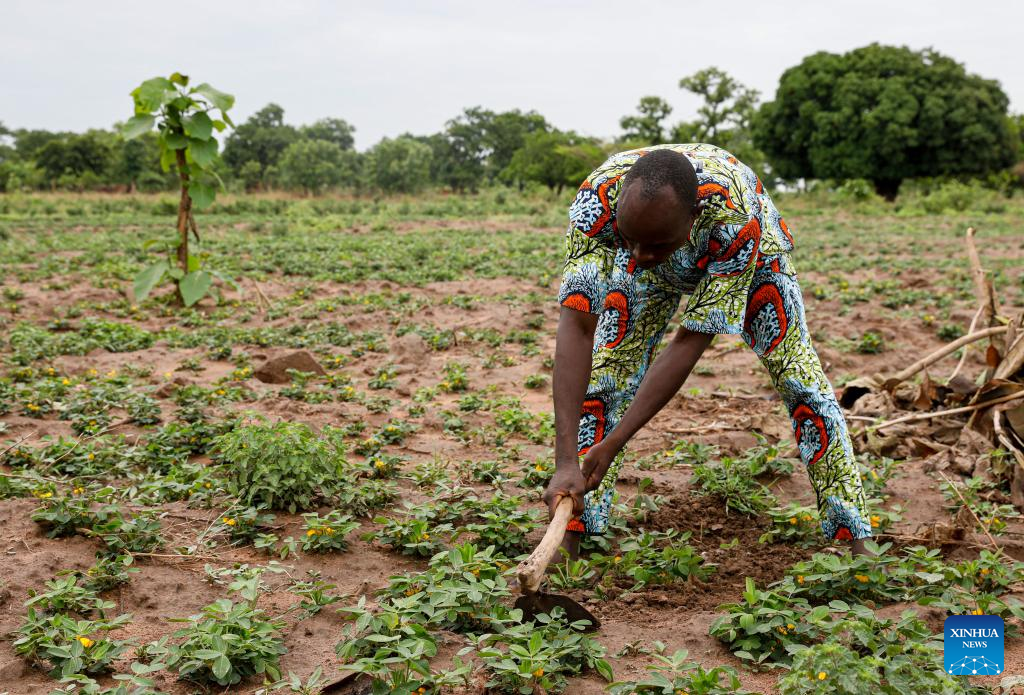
739	275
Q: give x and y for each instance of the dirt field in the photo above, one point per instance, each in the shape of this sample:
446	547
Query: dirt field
407	291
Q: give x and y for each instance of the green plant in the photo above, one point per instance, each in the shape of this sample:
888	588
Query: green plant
66	643
732	481
327	532
672	675
185	136
870	343
225	643
243	525
537	654
284	465
763	626
832	667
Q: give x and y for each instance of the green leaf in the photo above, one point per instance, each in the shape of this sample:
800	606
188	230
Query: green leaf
219	99
178	78
221	666
154	93
176	141
605	669
219	125
147	279
176	273
203	151
167	158
137	125
202	194
194	286
198	125
193	263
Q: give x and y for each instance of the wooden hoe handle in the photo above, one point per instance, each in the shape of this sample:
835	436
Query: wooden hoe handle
531	570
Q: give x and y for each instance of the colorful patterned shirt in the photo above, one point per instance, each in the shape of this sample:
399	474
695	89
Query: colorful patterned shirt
737	231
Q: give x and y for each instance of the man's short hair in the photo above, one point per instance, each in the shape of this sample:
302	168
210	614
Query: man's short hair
659	168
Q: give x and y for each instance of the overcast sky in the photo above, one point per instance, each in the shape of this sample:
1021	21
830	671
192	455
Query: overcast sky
394	67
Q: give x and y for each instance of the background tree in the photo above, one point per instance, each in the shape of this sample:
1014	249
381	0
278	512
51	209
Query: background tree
28	142
137	164
727	105
74	155
263	138
554	159
185	125
480	144
334	130
399	165
725	115
647	127
884	114
316	165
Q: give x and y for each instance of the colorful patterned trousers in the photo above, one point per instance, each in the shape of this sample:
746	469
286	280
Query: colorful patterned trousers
775	329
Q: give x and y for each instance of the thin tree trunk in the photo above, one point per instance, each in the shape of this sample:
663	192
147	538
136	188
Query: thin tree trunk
184	211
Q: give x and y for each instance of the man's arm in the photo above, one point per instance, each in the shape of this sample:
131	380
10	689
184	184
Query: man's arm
663	380
574	344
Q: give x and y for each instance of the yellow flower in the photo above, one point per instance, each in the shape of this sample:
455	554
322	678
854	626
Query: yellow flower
822	675
91	456
874	474
539	468
92	372
221	392
206	485
875	519
77	491
329	531
311	532
977	612
112	373
85	641
229	521
66	381
863	578
379	464
807	517
538	673
799	579
792	519
426	536
984	570
618	558
167	375
790	626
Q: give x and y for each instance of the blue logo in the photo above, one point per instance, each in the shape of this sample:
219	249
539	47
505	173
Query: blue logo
973	645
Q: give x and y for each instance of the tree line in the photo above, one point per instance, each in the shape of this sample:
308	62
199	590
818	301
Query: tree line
878	113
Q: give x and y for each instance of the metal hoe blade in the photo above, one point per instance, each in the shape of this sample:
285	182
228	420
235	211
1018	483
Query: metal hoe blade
533	605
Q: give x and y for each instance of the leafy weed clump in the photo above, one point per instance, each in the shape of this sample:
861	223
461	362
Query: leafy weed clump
283	466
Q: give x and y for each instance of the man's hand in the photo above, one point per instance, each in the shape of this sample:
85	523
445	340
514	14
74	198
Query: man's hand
595	464
566	482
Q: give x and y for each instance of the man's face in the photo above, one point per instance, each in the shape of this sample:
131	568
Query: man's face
654	229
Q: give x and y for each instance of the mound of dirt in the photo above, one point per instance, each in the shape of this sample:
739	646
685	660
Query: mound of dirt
275	370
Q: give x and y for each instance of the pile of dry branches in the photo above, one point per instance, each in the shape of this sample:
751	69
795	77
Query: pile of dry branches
974	427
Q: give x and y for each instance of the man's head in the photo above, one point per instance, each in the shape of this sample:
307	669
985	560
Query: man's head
657	205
